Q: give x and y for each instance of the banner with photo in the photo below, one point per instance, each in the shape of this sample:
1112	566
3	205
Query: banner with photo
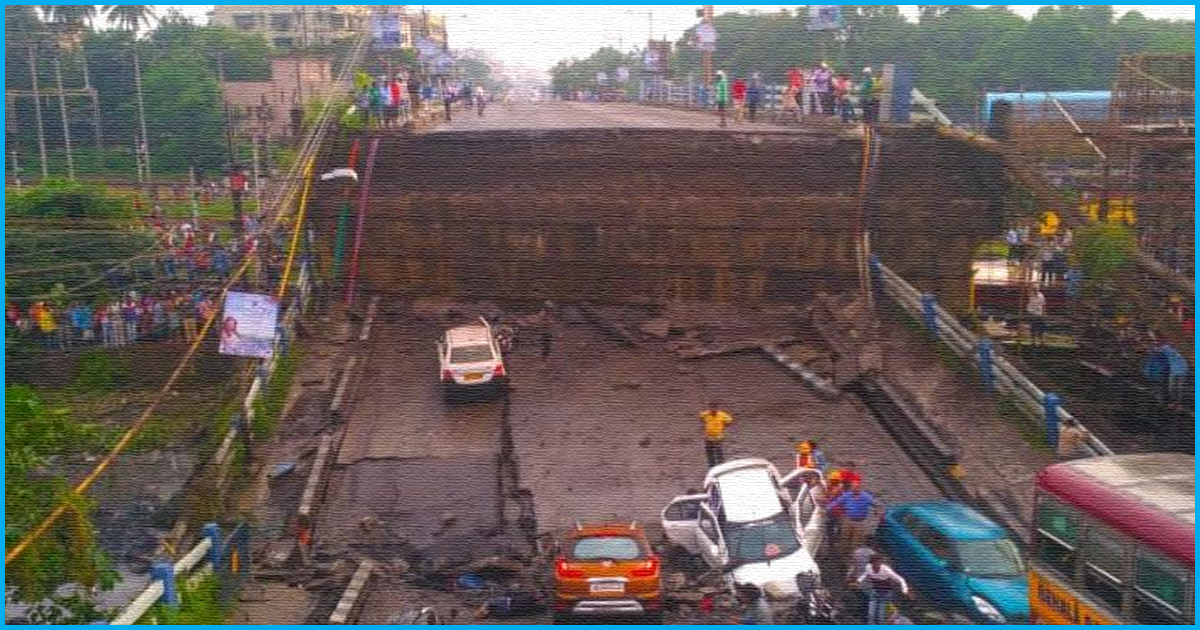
385	30
824	17
248	325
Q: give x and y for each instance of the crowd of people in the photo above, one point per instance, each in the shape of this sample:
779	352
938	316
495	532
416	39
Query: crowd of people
852	511
391	101
173	302
815	91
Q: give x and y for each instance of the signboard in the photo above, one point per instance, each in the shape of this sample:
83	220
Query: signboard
706	37
824	17
622	74
601	78
427	49
248	325
385	30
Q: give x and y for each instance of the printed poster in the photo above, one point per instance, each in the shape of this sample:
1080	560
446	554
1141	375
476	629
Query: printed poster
248	325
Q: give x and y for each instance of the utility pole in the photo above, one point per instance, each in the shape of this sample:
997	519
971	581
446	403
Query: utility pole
708	61
144	145
37	110
99	133
195	197
66	122
235	179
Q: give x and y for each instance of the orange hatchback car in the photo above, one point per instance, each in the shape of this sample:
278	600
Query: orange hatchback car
607	570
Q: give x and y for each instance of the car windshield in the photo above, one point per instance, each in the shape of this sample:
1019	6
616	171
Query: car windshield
471	354
761	541
606	548
990	558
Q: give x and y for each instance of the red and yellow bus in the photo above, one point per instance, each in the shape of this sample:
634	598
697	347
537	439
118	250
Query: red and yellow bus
1114	541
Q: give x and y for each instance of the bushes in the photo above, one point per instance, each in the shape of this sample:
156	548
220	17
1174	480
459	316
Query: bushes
64	199
100	370
1104	250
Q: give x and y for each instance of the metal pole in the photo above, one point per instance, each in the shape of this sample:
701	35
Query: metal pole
708	61
16	169
141	105
99	133
37	109
62	108
195	197
258	200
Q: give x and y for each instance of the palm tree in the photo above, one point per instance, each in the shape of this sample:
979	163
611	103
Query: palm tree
129	17
72	17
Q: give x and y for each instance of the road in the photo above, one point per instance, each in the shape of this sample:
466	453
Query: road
579	115
598	431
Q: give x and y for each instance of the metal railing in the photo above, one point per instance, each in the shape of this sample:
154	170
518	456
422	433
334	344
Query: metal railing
998	373
226	557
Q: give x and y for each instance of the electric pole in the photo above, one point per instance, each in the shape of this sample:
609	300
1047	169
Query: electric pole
37	110
66	122
708	61
144	145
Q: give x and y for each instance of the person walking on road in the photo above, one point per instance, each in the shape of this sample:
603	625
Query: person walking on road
1036	309
881	582
715	421
721	95
754	94
739	99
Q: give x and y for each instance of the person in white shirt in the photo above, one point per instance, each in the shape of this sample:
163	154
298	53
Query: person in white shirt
1036	308
880	582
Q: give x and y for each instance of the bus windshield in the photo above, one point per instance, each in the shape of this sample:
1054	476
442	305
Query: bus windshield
990	558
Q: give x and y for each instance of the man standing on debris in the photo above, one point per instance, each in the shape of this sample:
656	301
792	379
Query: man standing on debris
880	581
715	420
856	524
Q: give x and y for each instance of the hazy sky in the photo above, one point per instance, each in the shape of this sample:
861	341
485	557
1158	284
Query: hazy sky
539	36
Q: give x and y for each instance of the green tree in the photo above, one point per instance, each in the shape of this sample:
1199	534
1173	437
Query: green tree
1104	250
68	554
130	17
184	114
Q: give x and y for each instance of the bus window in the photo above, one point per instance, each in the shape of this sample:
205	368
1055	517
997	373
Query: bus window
1106	564
1160	590
1057	535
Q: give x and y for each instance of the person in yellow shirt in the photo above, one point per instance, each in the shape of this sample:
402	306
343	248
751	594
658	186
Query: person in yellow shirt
715	422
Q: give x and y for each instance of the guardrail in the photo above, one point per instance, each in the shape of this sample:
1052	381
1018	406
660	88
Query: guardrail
226	557
997	373
773	96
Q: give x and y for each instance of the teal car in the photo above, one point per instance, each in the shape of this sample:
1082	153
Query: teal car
958	560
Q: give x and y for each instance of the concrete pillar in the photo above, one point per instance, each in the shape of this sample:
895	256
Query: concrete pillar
212	532
983	351
165	573
929	308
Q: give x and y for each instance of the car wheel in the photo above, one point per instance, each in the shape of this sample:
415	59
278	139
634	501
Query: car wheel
561	618
654	618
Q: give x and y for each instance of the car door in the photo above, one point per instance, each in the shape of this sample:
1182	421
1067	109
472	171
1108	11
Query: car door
901	532
811	518
710	539
681	521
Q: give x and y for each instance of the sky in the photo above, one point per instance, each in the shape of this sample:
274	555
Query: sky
537	37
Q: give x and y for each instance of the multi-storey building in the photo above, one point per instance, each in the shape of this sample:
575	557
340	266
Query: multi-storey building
294	26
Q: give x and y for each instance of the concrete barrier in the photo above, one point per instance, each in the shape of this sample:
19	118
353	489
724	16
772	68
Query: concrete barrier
350	600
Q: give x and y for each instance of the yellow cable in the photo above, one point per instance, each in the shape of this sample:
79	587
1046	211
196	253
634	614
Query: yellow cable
287	268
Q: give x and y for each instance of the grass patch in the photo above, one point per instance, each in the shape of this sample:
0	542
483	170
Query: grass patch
1028	428
269	406
199	605
216	210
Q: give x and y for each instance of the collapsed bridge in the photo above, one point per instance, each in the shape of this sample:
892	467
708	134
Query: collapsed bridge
666	214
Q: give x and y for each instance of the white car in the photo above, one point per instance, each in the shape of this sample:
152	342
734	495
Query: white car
748	525
469	358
